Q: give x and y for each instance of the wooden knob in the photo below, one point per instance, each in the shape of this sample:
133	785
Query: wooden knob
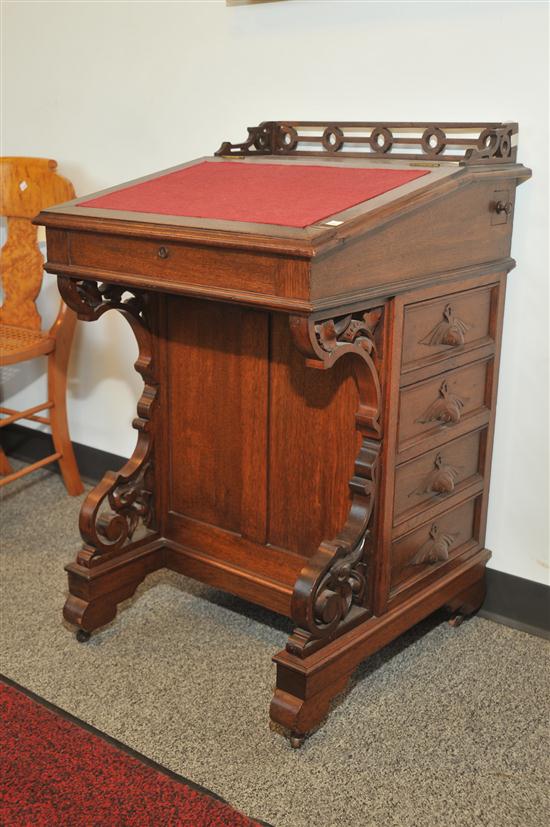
504	206
163	252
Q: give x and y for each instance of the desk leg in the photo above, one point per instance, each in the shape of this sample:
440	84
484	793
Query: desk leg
118	518
306	686
332	595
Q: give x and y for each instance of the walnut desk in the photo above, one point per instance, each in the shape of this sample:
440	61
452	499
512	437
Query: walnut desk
318	312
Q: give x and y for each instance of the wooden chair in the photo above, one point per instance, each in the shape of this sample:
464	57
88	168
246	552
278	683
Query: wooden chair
28	185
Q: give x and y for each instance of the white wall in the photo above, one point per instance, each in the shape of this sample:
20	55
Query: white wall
114	90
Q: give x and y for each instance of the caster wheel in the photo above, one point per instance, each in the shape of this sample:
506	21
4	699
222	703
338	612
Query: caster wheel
296	740
456	620
83	636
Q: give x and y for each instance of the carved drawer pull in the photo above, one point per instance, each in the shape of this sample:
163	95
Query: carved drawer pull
435	548
447	409
448	332
440	481
503	206
163	252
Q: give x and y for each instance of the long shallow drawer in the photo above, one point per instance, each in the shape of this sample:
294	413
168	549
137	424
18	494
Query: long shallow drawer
445	406
175	266
454	323
437	475
419	553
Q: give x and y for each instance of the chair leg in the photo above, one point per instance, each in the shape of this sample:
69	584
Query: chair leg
5	467
57	393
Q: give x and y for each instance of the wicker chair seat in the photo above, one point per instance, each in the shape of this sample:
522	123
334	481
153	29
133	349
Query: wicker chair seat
17	344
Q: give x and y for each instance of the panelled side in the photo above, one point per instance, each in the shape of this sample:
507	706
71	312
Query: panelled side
452	232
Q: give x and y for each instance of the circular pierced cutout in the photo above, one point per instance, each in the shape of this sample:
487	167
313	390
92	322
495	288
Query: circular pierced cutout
505	146
433	140
381	139
261	141
288	138
333	138
488	142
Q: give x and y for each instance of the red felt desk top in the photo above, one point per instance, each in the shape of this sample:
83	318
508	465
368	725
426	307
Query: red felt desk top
289	195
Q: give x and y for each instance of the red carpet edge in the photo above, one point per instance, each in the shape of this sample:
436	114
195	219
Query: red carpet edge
222	812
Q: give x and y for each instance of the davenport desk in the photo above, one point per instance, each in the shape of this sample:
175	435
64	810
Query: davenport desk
318	312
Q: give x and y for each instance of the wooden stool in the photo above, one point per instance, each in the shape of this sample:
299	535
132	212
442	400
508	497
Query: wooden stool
28	186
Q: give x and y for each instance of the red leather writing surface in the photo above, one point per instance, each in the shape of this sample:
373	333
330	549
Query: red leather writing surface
286	194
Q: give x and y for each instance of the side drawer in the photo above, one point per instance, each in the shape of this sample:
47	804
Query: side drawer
437	475
442	327
428	548
447	405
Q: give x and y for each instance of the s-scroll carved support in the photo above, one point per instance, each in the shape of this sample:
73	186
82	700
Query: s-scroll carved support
119	511
331	591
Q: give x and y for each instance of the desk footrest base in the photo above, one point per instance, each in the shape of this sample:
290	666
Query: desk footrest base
222	574
95	592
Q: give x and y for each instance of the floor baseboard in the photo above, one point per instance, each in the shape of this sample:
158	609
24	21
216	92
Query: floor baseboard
512	601
516	602
30	445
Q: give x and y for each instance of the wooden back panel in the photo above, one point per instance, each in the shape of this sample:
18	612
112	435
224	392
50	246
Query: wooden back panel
27	186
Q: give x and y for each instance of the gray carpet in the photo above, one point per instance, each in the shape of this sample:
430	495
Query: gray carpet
443	727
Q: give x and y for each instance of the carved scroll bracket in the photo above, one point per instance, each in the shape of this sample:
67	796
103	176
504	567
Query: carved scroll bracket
331	590
260	141
324	341
121	507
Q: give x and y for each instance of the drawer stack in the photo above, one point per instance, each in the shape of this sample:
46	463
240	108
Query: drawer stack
445	411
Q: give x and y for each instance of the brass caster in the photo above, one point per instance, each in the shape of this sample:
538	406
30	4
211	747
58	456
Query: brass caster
83	636
456	620
296	740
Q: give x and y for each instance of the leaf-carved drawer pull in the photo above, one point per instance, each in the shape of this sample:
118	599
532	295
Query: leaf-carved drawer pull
503	207
436	547
450	331
447	409
439	481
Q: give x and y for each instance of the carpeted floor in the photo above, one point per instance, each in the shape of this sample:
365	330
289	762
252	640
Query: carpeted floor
443	727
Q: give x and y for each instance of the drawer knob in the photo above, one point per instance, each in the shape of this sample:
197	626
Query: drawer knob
503	207
163	252
440	481
435	548
450	331
447	409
